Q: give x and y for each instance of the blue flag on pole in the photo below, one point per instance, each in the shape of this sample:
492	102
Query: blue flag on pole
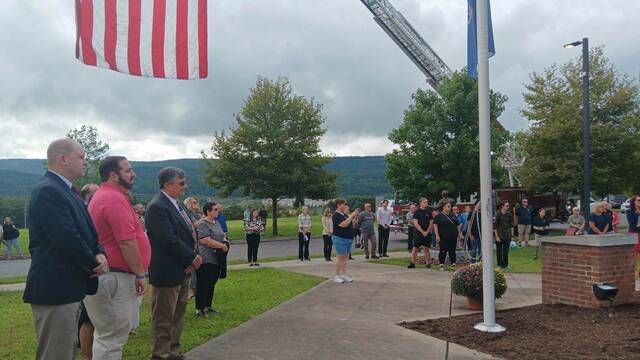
472	40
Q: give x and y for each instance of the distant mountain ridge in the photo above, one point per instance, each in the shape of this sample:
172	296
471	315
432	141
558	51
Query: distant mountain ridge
359	175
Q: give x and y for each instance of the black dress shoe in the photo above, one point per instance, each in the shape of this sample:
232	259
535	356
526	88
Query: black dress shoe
385	255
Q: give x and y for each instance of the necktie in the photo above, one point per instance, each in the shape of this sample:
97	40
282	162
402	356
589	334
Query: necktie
189	222
184	215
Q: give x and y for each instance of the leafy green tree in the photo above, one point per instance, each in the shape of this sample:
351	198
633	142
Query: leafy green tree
95	150
273	149
438	147
553	106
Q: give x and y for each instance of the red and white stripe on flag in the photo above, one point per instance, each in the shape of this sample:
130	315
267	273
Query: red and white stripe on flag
154	38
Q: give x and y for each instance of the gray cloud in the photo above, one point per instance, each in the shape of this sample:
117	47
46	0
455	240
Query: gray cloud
332	50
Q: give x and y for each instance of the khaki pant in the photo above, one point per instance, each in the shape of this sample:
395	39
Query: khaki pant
56	331
366	239
523	232
110	313
168	307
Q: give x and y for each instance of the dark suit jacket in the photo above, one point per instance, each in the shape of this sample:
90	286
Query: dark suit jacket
63	245
172	243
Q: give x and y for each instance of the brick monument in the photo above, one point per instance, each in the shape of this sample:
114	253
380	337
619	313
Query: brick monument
572	264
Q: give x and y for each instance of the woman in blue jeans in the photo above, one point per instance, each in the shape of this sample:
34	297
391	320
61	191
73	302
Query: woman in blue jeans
342	239
11	236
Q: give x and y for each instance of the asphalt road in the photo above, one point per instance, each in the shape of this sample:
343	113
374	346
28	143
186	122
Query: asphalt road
10	268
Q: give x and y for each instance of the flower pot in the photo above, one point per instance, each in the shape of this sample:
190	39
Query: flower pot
473	303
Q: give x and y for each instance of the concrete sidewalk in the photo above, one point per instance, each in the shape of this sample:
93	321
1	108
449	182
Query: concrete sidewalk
358	320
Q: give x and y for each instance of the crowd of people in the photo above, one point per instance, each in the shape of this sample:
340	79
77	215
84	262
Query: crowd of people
92	252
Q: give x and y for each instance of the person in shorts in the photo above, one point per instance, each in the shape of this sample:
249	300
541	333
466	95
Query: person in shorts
423	222
342	239
525	215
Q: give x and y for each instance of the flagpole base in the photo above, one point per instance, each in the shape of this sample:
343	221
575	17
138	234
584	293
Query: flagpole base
495	328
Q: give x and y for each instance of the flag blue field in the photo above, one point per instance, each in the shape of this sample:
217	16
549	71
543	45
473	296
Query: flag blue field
472	39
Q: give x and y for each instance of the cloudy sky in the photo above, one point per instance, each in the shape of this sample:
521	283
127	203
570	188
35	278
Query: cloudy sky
331	50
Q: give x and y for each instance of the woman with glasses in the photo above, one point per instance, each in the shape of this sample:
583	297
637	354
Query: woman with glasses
576	222
211	241
253	227
503	231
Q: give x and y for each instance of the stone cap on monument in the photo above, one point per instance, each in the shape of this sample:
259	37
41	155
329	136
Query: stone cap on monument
593	240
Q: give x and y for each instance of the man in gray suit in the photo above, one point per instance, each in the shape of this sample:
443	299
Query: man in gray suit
173	260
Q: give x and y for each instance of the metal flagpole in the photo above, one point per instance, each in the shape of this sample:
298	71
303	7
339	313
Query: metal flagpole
488	294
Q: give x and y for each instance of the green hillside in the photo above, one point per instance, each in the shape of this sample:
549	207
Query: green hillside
358	176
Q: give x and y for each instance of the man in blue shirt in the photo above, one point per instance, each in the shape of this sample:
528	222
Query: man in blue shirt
523	213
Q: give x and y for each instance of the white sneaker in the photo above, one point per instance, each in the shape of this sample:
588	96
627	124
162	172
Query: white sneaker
347	278
338	279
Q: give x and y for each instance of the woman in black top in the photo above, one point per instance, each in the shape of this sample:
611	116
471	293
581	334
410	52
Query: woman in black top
447	232
11	236
540	225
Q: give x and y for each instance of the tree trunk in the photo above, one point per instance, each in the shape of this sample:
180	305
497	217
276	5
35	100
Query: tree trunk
274	211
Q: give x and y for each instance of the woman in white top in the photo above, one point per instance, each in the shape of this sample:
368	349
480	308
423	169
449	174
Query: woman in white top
327	231
304	234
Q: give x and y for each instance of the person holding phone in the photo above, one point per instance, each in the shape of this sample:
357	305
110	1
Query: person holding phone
342	239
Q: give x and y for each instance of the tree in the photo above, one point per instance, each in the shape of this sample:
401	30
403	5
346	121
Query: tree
273	149
438	141
554	140
95	150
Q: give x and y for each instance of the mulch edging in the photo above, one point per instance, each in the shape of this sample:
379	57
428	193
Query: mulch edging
546	332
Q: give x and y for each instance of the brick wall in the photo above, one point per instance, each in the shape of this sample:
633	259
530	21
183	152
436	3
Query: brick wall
569	271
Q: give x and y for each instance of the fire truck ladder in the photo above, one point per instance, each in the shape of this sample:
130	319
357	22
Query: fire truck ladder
408	39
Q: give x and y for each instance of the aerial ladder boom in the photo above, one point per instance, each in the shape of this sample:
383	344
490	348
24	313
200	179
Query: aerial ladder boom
408	39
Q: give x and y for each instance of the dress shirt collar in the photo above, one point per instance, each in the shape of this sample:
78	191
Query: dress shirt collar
174	201
64	179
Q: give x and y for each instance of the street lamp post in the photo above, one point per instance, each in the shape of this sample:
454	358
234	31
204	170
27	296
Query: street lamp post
585	199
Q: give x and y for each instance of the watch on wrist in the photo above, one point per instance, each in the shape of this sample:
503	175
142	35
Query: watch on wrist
140	277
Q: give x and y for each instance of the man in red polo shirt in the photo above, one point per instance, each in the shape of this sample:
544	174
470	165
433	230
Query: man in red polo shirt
129	252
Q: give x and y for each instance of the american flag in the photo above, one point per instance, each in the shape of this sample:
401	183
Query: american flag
154	38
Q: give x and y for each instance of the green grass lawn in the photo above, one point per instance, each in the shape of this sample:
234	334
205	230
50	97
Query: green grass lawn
242	296
287	227
520	259
12	280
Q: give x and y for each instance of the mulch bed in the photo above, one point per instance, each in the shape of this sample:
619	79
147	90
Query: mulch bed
546	332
